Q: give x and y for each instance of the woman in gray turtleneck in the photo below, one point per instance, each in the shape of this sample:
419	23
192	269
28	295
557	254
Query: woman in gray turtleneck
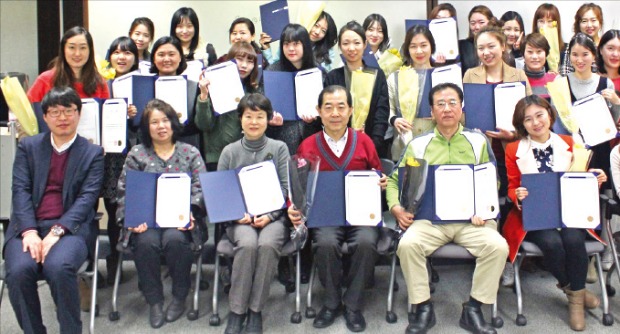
259	239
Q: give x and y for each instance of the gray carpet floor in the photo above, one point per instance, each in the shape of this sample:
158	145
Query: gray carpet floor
544	306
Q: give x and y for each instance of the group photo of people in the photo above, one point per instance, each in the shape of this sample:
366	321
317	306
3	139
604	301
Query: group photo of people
299	151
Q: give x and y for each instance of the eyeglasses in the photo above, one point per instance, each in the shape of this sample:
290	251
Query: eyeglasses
442	104
54	113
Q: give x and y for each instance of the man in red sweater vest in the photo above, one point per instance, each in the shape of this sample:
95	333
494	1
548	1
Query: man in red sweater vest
341	148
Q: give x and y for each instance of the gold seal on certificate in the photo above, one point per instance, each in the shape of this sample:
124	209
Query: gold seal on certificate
237	99
179	114
590	219
608	130
372	216
181	217
491	208
451	52
120	143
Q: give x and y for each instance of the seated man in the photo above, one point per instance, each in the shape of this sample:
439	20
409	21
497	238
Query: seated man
449	143
341	148
57	177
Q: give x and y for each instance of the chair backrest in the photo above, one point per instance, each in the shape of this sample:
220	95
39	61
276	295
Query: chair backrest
8	149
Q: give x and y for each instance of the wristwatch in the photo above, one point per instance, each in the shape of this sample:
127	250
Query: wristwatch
57	231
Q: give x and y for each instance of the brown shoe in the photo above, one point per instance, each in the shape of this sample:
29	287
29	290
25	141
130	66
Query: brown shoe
576	312
591	300
85	294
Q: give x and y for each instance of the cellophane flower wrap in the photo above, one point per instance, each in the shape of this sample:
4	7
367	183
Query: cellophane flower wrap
551	34
560	96
390	61
413	176
362	85
18	103
303	173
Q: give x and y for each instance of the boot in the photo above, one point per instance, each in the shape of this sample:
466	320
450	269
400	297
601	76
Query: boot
576	313
591	300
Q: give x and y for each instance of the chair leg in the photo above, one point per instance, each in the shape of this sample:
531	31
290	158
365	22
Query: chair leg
608	319
521	320
310	312
390	316
614	252
214	320
93	301
296	316
496	320
193	313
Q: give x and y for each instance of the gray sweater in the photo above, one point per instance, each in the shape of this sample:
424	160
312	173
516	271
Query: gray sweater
582	88
245	152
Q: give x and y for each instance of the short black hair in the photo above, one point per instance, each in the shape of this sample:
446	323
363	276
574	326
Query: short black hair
124	43
167	109
444	86
61	96
331	90
352	26
256	102
177	44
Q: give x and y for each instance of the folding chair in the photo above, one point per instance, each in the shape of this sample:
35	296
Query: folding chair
83	273
225	250
610	208
124	250
529	249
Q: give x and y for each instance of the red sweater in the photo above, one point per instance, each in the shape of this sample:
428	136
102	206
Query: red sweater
44	84
51	206
364	157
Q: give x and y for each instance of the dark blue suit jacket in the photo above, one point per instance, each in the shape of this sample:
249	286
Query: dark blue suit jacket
80	192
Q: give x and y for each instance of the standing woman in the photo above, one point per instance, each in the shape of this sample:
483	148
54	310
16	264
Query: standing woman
608	57
185	26
221	130
123	58
296	47
479	17
352	43
376	34
142	31
242	30
416	52
584	82
535	50
544	17
258	240
442	11
323	35
539	150
74	67
162	152
589	21
512	26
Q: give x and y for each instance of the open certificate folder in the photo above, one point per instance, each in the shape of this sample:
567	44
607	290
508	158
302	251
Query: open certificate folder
157	199
559	200
89	127
451	73
491	106
284	89
446	37
137	89
506	97
114	126
173	90
363	198
225	88
308	87
594	118
274	17
254	189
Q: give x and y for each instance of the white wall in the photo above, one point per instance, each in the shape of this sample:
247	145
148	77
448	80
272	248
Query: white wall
18	37
215	17
611	13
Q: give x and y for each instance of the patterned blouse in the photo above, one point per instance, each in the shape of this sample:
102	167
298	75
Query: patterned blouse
185	159
543	153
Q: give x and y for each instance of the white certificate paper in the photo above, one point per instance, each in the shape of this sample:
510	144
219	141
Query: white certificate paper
594	119
485	182
114	126
122	87
446	38
225	88
173	200
173	90
506	97
193	70
363	198
580	200
88	127
308	86
261	188
454	192
451	73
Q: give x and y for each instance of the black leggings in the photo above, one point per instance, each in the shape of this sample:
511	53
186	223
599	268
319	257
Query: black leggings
564	254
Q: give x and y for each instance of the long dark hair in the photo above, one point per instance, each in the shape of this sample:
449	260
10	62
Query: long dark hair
177	44
124	43
145	21
608	36
63	74
370	20
294	32
411	33
512	15
321	48
177	17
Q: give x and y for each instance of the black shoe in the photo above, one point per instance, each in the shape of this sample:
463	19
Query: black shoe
421	320
235	323
473	321
255	323
355	320
156	315
284	273
175	310
326	317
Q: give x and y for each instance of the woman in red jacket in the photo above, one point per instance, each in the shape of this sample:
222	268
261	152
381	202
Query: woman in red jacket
539	151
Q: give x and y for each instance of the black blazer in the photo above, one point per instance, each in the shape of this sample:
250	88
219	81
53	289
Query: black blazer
468	54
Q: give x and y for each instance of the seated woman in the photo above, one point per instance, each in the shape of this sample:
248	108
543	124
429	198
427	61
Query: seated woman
539	151
259	239
221	130
162	152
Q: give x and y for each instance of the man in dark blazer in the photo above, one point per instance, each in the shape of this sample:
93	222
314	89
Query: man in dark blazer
57	177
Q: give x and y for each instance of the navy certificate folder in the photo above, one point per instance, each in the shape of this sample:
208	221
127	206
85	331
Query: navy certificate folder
329	203
425	107
280	90
222	187
479	106
274	17
140	195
